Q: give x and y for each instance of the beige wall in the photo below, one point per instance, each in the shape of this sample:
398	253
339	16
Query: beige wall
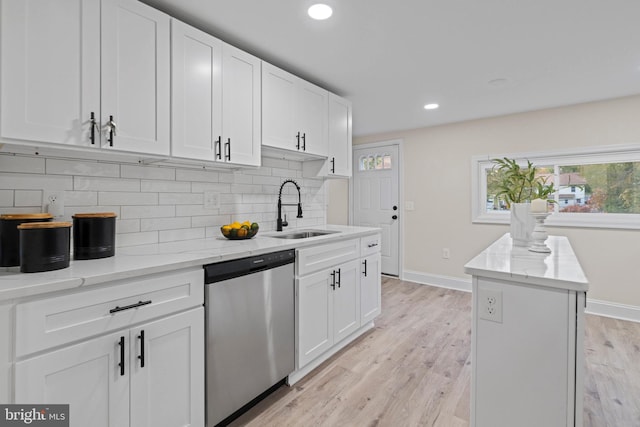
437	177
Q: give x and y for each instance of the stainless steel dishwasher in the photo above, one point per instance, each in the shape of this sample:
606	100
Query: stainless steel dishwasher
250	331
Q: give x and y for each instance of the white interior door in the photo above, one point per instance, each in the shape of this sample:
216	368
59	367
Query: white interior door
376	198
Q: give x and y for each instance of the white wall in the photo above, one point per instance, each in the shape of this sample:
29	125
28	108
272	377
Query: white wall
437	177
161	204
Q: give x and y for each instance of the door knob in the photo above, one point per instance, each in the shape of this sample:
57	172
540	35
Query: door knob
394	217
395	208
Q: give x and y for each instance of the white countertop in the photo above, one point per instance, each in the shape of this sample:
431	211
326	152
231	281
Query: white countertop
559	269
130	262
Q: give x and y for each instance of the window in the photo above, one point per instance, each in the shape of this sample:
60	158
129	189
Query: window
375	162
596	187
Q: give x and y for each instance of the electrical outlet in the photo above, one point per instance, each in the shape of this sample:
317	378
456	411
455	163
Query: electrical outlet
446	254
211	200
53	202
409	206
490	305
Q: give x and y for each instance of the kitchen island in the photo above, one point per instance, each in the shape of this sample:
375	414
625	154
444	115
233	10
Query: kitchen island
527	335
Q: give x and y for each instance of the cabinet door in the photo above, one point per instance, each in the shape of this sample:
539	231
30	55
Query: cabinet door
339	162
314	319
169	389
312	110
370	288
196	92
86	376
241	124
135	76
279	95
346	300
49	69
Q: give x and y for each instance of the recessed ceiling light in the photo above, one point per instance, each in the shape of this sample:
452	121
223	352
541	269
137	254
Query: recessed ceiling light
498	82
431	106
320	11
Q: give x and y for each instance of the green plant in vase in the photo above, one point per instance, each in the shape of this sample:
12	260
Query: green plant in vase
517	185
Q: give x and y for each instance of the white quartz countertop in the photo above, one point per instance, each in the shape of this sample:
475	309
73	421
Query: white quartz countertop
558	269
133	261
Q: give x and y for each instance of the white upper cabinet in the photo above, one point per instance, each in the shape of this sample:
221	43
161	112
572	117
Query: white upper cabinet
215	99
135	77
196	93
241	107
49	70
67	64
294	113
339	161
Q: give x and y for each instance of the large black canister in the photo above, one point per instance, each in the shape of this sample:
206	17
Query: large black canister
10	236
44	246
94	235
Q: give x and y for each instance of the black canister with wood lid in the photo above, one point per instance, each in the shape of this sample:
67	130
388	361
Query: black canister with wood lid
44	246
94	235
10	236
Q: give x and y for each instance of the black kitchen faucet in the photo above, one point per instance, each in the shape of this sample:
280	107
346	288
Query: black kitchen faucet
280	223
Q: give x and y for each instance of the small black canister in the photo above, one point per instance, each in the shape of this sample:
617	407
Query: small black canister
94	235
44	246
10	236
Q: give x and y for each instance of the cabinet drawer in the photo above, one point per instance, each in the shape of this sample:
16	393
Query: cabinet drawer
59	320
370	244
324	256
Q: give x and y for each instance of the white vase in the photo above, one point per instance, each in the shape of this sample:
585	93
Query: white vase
522	224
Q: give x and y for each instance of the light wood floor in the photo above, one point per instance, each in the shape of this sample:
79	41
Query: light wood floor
413	369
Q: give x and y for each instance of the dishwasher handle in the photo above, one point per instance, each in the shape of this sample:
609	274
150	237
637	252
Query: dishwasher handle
241	267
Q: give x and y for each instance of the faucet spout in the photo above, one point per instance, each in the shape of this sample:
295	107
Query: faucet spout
280	223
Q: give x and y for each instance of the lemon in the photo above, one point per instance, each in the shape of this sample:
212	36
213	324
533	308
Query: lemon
235	225
226	229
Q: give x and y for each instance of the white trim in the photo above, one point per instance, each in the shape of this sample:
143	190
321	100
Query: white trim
597	307
401	212
438	281
587	155
614	310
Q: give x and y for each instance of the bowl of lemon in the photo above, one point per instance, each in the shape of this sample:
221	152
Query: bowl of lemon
240	230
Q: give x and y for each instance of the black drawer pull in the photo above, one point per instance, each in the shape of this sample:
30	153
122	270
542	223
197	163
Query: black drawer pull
339	278
127	307
141	357
333	280
121	364
372	245
365	267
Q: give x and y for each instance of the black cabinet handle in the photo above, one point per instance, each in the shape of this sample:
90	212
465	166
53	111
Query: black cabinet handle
127	307
141	357
339	278
121	364
333	281
372	245
333	165
365	267
227	149
112	130
298	140
94	126
219	148
304	142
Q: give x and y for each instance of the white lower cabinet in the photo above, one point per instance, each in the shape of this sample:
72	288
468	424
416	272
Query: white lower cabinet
151	375
126	354
336	300
370	288
328	309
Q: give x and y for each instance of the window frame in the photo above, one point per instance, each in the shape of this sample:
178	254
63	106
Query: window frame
555	158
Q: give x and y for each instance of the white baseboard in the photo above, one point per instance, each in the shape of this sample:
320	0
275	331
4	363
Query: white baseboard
436	280
597	307
613	309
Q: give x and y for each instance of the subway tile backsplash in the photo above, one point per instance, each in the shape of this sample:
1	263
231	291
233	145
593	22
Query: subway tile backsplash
157	203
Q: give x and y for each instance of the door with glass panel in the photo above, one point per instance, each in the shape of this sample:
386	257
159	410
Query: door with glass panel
376	198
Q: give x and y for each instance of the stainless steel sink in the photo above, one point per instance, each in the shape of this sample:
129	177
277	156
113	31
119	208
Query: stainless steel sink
302	234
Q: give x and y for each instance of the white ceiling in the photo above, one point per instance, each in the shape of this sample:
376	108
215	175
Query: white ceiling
392	57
